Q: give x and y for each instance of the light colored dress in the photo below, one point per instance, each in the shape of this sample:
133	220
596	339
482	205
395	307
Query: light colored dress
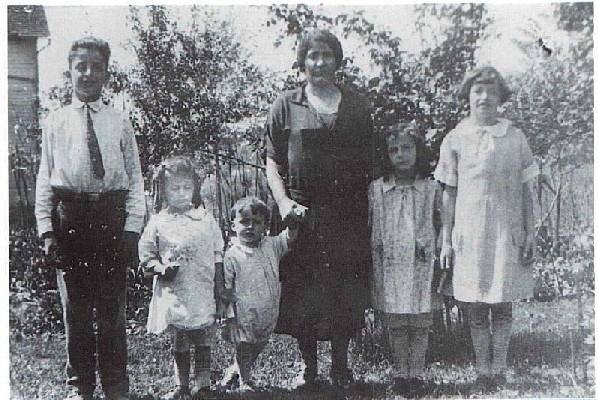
253	273
195	241
488	165
403	244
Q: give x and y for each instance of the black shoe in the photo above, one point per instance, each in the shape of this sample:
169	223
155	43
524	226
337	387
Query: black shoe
485	383
400	385
417	388
500	380
342	379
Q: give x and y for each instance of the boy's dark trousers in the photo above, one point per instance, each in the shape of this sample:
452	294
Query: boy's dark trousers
93	275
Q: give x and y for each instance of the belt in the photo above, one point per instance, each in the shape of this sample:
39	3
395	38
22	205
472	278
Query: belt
72	196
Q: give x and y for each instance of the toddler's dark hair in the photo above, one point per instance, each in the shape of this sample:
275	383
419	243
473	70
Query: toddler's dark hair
175	166
423	156
254	204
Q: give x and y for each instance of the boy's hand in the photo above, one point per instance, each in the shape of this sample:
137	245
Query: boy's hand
220	310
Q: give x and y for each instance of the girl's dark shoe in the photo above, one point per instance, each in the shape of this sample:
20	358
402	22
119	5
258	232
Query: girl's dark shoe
418	388
400	385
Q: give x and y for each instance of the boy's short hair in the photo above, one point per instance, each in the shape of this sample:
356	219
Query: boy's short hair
309	38
423	156
254	204
90	42
484	74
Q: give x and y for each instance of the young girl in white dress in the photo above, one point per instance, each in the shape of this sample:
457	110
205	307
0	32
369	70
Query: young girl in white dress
182	247
252	280
404	216
487	168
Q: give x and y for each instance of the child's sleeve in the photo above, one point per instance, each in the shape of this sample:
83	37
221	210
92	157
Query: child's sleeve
149	249
529	166
229	272
281	244
218	242
446	171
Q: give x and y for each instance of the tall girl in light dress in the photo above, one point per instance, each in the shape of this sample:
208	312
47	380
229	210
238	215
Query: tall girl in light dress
404	216
182	247
487	168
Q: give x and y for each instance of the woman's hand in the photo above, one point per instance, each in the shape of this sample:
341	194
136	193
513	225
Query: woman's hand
292	213
446	257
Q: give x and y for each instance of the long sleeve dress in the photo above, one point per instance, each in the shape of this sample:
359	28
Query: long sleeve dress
194	240
488	165
403	244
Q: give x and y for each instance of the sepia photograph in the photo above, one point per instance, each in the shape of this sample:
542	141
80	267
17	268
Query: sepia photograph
300	200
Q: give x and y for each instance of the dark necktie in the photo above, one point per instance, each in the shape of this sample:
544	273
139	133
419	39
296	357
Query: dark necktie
94	147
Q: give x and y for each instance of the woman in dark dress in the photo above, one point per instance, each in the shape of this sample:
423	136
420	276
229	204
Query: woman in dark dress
319	144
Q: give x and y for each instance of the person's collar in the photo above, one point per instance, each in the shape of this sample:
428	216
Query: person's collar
244	248
499	129
390	183
300	97
94	105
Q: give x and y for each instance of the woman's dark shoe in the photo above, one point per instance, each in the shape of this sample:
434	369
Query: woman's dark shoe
485	383
342	379
500	380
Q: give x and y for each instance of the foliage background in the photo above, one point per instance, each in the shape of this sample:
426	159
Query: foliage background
194	90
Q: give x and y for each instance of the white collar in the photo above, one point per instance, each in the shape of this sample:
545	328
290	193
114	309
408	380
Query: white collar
94	105
499	129
390	183
244	248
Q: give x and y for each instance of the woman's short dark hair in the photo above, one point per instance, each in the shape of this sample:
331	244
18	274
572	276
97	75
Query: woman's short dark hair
256	206
308	39
423	156
175	166
484	74
90	42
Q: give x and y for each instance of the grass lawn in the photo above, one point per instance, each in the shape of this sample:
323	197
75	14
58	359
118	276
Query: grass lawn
540	363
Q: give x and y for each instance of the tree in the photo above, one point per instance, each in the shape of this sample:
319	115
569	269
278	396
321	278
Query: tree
403	87
189	85
553	103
